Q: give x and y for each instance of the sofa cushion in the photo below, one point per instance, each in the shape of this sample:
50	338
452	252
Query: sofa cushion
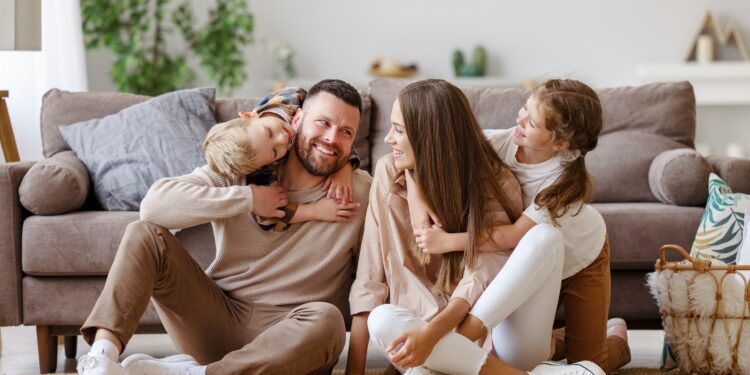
680	177
720	233
61	107
55	185
126	152
85	243
66	301
639	123
620	165
638	230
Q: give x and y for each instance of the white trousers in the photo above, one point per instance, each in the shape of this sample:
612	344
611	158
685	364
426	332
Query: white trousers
518	307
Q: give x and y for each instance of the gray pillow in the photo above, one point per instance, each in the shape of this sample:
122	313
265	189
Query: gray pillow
126	152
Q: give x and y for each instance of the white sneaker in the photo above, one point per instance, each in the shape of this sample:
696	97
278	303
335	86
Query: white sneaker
93	364
144	364
578	368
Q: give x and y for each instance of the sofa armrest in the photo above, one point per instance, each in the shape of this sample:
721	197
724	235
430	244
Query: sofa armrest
734	171
11	218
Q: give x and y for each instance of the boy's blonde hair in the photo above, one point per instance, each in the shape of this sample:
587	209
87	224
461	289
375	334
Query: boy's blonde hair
227	151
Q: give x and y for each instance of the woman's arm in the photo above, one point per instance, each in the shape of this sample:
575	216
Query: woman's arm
359	339
505	237
417	345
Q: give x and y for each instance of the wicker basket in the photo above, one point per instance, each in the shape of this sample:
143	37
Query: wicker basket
705	308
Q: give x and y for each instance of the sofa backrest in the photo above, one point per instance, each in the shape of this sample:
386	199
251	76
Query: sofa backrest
639	123
61	107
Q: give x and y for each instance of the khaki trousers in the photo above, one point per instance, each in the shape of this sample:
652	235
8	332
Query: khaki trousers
228	335
586	296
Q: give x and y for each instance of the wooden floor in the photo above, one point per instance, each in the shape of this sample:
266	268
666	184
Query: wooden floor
19	354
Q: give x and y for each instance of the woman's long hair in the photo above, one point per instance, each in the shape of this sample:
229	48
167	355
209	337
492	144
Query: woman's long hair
456	168
573	113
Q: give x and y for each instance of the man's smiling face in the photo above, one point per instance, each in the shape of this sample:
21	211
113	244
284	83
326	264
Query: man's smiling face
326	134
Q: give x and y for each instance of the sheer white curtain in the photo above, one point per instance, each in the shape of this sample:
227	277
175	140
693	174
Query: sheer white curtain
62	46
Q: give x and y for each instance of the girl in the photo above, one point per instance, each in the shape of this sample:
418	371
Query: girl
557	126
440	156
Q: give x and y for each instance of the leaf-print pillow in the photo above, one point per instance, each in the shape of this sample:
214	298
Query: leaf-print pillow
720	232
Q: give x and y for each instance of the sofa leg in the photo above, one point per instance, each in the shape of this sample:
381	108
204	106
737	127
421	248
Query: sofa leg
71	346
47	348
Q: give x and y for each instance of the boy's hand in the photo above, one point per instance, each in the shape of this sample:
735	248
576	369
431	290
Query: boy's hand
339	184
328	209
268	199
418	210
434	240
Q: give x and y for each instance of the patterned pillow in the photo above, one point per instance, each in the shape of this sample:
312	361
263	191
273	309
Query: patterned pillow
720	232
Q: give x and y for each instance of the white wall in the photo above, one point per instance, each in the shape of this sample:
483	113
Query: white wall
599	41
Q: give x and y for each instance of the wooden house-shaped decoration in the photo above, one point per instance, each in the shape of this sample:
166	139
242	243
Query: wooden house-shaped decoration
728	42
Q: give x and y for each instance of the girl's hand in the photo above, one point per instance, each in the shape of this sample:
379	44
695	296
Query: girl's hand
339	184
412	348
418	210
434	240
328	209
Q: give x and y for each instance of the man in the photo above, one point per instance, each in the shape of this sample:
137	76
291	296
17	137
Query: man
266	302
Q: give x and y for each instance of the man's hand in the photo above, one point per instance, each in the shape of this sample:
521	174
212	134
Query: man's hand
268	199
412	348
435	240
418	211
328	209
339	184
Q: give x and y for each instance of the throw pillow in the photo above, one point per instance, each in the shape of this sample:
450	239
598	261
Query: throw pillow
743	255
126	152
55	185
679	177
720	232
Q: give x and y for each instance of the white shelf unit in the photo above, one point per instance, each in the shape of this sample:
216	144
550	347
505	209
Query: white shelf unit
715	84
466	82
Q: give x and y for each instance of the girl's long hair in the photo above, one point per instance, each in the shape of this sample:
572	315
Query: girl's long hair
456	168
573	113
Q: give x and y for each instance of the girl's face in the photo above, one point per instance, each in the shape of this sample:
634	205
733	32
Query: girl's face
403	154
531	132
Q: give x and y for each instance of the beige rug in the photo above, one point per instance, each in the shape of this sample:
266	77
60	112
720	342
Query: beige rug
627	371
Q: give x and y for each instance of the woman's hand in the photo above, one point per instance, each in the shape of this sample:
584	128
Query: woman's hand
412	348
435	240
418	211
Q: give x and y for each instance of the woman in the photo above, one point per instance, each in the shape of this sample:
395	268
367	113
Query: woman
440	156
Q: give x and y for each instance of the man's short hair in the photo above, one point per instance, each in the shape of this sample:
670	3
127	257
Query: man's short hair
338	88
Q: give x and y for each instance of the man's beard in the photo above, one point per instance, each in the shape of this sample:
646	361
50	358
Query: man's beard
304	149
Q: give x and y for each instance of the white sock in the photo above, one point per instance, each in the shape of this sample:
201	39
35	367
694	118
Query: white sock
106	348
197	370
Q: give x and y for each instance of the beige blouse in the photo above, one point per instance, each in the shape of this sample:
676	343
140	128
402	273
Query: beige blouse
388	272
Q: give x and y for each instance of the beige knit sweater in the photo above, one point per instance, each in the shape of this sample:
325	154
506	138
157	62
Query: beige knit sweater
311	261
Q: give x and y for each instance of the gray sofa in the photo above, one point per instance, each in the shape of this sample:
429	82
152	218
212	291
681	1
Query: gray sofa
650	189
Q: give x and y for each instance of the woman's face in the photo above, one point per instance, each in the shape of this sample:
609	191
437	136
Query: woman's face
403	154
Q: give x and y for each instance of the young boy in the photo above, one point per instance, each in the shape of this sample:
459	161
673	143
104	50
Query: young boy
250	146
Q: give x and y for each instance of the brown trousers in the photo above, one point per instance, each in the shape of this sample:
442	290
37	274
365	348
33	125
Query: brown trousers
231	336
586	296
